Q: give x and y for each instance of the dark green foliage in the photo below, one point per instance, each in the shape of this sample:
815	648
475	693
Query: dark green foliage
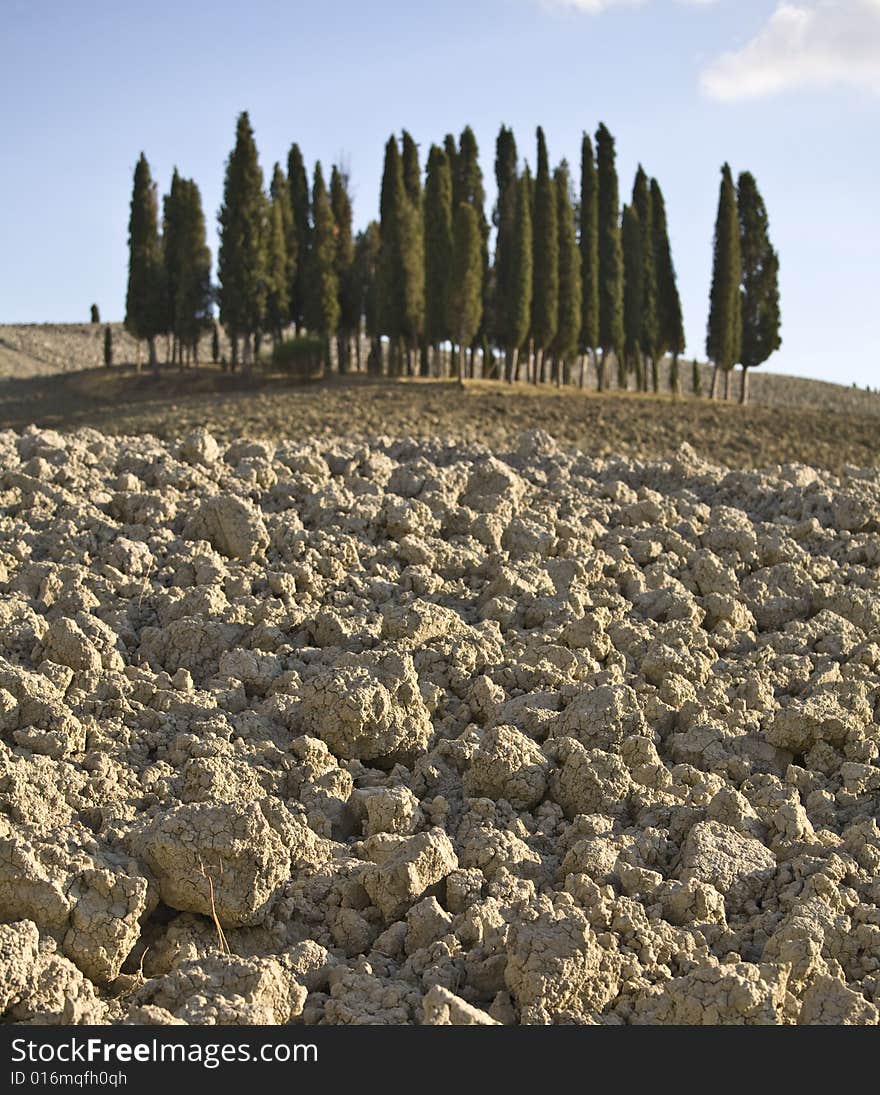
515	313
696	378
298	254
438	246
302	356
724	337
467	186
279	191
144	296
402	264
467	302
242	258
545	251
634	287
96	315
505	223
760	279
108	346
565	345
349	301
366	264
277	283
215	343
187	281
589	248
611	334
323	311
669	317
412	173
649	335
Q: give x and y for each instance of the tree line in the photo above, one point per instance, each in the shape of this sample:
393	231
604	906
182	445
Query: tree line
575	281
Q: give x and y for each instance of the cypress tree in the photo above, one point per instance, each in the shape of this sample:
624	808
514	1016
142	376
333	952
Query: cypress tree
545	251
143	303
366	265
467	303
108	346
633	296
172	259
277	284
505	223
724	335
279	190
467	187
611	334
324	297
349	306
412	250
568	330
390	278
760	281
194	295
438	248
298	251
649	339
671	324
242	258
95	314
519	313
589	249
412	173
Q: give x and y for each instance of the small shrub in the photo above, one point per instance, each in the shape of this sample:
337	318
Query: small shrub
96	315
302	356
108	347
698	379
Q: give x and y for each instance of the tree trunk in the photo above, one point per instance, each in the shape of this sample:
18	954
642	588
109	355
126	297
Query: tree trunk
600	371
727	373
538	367
674	376
462	362
424	359
713	393
583	370
342	353
655	373
154	357
623	372
138	352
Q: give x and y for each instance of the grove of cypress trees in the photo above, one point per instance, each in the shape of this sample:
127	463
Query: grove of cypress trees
279	191
589	249
277	282
438	249
545	252
669	314
568	329
323	311
633	297
649	338
611	334
504	217
467	280
724	335
143	300
349	305
298	250
108	346
760	281
242	257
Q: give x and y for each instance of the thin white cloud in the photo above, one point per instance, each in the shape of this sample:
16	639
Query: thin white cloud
595	6
803	45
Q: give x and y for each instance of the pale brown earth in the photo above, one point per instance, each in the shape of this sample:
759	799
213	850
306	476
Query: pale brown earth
434	733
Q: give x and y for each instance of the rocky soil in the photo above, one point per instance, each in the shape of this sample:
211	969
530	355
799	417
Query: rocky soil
421	732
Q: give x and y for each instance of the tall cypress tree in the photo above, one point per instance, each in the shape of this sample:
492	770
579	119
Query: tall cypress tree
300	209
467	301
468	187
172	260
633	297
413	250
366	268
279	190
242	258
193	302
438	248
724	335
323	313
760	281
143	300
506	181
349	310
518	309
277	283
568	329
669	315
391	291
611	334
649	338
589	248
545	251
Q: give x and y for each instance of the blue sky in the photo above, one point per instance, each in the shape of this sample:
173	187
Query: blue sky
789	91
